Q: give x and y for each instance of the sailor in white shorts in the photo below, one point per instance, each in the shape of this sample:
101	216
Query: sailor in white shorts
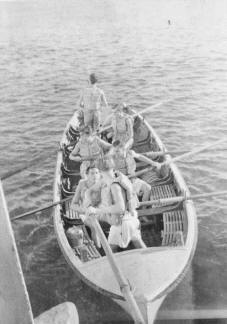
125	226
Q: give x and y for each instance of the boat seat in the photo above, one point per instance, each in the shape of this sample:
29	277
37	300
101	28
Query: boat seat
173	228
164	191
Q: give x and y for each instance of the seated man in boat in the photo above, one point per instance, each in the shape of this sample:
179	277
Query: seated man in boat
85	197
80	200
92	98
125	226
122	126
89	148
125	162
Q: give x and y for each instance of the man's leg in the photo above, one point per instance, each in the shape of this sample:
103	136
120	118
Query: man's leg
146	190
96	120
139	243
114	248
83	168
88	117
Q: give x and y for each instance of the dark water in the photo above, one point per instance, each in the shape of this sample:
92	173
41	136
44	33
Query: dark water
46	51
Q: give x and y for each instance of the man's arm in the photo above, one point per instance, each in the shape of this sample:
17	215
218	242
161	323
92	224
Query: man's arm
80	102
129	123
77	198
103	99
108	120
145	159
104	145
74	154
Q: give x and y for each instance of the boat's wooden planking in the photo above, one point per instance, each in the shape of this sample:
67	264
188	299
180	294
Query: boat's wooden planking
14	302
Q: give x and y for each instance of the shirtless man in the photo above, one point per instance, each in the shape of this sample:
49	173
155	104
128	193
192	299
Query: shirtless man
91	99
124	226
80	199
83	198
88	149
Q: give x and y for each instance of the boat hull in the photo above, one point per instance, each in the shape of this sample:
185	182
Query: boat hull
154	287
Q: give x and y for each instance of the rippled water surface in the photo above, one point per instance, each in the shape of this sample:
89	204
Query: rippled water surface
47	49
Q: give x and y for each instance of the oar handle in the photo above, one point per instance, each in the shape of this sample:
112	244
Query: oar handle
156	105
154	154
162	201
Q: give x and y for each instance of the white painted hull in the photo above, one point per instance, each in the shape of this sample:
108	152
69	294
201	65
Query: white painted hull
151	284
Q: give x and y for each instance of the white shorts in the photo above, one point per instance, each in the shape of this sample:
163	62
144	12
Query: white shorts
129	230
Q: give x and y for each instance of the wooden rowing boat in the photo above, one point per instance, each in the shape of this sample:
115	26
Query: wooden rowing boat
169	230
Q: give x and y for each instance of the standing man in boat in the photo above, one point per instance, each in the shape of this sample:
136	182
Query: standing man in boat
91	99
88	149
125	226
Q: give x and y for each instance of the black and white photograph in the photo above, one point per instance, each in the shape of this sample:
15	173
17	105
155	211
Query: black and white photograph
113	162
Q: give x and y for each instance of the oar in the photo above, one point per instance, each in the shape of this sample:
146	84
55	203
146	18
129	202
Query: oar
147	109
24	167
183	153
13	172
122	281
41	209
182	198
198	150
156	105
